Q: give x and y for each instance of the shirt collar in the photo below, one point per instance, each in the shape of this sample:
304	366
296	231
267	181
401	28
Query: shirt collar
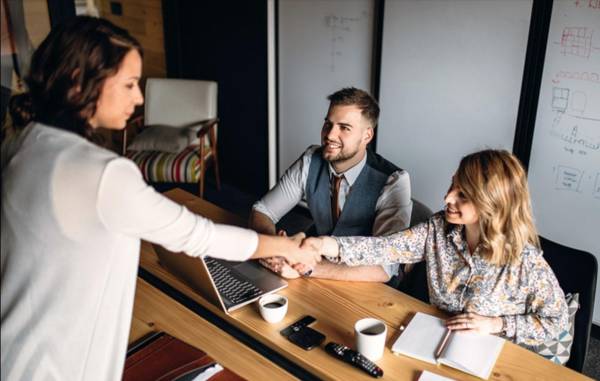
351	174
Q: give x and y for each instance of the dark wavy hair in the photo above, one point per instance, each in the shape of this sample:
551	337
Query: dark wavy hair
67	73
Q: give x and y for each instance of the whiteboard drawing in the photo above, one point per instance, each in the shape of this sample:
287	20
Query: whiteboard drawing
596	192
576	41
593	4
574	123
560	99
578	102
587	76
568	178
576	141
339	26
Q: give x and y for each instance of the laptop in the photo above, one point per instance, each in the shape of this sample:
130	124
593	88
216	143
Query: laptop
226	284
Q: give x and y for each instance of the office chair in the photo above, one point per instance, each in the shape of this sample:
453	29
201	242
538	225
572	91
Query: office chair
179	132
576	272
414	281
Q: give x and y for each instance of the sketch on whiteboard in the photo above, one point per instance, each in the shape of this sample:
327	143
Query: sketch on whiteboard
593	4
577	75
571	124
579	142
339	26
568	178
576	41
560	99
578	102
596	192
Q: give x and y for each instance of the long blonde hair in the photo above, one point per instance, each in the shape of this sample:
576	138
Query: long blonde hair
495	181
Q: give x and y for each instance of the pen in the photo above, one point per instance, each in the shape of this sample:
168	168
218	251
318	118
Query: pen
442	345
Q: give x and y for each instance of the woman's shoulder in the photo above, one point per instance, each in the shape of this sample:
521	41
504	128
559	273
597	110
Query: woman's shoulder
532	257
65	141
531	252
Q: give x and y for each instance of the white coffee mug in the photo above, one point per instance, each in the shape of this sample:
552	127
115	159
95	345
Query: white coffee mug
370	338
273	307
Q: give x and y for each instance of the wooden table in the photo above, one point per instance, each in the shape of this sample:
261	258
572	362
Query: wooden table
155	311
337	306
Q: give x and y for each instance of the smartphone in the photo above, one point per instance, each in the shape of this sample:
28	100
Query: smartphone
307	338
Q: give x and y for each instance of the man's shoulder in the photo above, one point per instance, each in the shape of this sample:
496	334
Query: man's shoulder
381	164
311	151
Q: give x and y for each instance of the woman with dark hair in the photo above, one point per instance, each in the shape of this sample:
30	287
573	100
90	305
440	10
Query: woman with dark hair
482	254
73	213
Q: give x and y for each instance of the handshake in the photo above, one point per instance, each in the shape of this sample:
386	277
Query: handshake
302	255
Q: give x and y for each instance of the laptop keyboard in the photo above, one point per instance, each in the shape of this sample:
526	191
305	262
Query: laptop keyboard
229	284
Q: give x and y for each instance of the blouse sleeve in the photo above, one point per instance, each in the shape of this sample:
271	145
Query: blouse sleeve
127	205
407	246
547	312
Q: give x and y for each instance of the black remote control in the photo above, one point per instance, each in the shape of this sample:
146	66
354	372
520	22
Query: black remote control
354	358
297	326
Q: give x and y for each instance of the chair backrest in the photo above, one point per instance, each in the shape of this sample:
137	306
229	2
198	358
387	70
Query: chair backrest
576	271
414	282
420	212
179	102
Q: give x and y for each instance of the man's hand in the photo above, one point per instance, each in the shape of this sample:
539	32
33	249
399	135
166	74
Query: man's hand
302	254
279	266
471	321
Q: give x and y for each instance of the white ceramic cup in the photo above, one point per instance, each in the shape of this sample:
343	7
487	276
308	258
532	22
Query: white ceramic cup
273	307
370	338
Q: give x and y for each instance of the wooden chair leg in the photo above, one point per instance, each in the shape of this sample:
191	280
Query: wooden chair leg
202	169
213	145
218	177
216	163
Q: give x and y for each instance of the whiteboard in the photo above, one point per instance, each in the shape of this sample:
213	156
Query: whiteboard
323	45
450	84
564	169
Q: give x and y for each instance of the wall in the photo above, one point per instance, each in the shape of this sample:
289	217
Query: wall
37	20
226	41
144	20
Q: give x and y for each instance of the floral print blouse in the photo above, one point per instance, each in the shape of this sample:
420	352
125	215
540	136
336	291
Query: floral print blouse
525	293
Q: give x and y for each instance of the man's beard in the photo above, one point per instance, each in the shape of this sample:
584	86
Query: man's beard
341	156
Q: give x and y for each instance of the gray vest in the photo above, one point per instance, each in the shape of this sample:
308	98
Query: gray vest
358	214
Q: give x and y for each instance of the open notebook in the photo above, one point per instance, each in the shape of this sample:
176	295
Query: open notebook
471	353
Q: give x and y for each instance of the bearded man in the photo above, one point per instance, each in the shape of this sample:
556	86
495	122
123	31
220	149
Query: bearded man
349	190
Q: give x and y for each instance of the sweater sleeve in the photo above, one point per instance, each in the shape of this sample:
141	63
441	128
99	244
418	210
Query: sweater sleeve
546	309
407	246
127	205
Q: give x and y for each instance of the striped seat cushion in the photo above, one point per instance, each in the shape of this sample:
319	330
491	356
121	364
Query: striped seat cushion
165	167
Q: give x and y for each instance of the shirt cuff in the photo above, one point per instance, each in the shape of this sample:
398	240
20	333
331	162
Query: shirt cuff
232	243
391	270
345	254
509	326
261	207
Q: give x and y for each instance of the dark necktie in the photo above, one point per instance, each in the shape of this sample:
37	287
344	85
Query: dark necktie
335	191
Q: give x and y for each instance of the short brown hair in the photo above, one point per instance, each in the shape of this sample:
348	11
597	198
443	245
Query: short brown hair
351	96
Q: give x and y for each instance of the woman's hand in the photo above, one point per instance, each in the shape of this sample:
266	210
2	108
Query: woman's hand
471	321
324	245
280	266
298	253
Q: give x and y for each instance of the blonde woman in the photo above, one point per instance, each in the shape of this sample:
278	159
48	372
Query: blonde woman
483	259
